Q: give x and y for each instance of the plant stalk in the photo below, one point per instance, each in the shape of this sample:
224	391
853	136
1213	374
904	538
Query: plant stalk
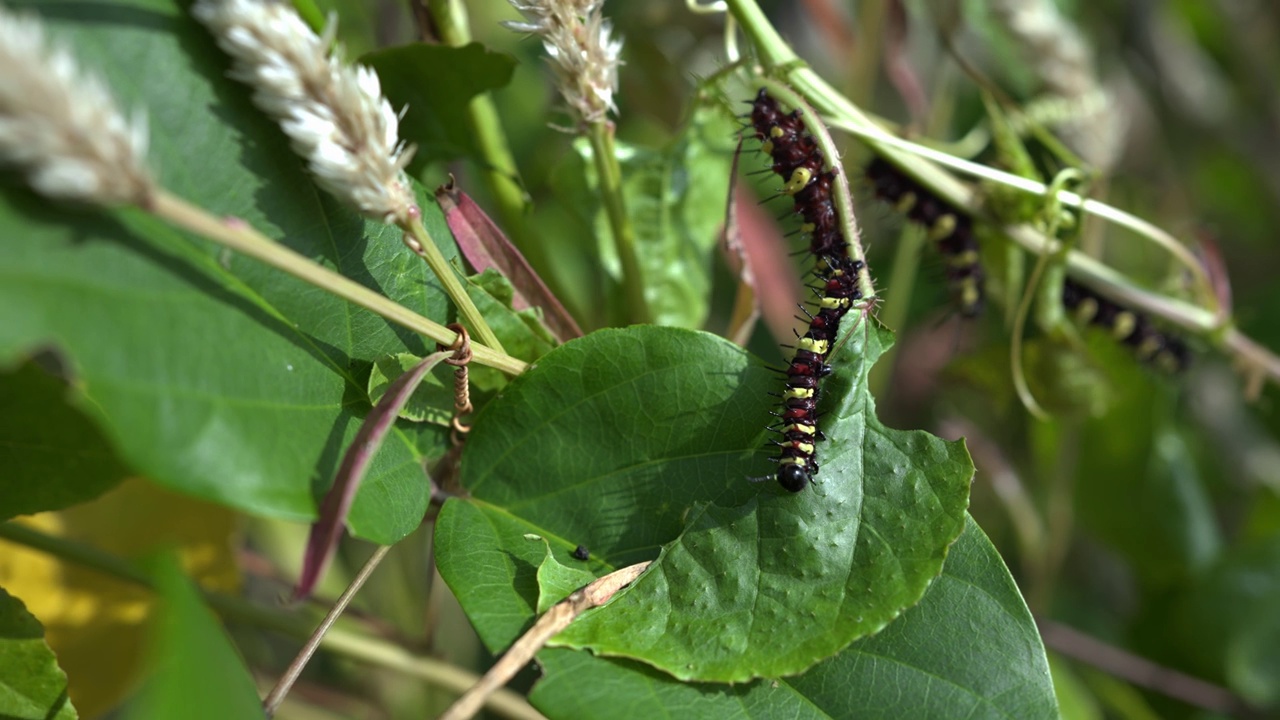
272	702
243	239
624	243
496	164
419	241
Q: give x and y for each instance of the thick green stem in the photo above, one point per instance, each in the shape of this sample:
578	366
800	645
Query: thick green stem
424	248
496	164
624	242
244	239
893	313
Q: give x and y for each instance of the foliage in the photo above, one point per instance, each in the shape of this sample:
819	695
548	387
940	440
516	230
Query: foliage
1144	511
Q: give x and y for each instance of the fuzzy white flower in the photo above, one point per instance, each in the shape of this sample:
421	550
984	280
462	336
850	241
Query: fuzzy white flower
582	54
62	127
334	114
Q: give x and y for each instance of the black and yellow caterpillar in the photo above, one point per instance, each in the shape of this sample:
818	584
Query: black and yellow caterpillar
1132	328
950	229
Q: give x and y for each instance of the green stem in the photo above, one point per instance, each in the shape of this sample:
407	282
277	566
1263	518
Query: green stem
624	243
374	651
773	50
426	249
1059	516
86	555
244	239
496	164
893	313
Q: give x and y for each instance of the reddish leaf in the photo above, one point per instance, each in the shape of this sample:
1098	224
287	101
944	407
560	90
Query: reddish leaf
746	307
328	528
765	258
485	246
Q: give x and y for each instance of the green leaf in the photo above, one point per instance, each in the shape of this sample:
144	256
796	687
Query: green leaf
437	83
676	199
32	686
53	457
521	331
969	649
630	440
198	674
209	372
432	401
557	581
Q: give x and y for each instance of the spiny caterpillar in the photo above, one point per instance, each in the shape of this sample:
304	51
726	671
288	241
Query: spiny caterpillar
798	420
800	162
798	159
950	229
1129	327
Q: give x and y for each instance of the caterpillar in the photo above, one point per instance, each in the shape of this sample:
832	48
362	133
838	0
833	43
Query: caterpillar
799	161
1132	328
798	420
950	229
797	158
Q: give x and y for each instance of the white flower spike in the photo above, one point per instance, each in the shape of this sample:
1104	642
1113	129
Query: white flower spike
62	127
334	114
582	54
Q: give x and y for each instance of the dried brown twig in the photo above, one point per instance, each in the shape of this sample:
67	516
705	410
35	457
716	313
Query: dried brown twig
552	622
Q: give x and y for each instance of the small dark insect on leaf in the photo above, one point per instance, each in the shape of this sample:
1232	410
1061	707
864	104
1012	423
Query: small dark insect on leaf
581	553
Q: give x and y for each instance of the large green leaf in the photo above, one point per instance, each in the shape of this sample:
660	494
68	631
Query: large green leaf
32	686
631	440
969	649
52	455
211	373
198	674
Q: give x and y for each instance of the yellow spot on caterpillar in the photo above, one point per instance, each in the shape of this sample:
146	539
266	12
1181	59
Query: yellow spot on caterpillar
776	132
1167	362
814	346
1148	348
968	258
906	202
834	303
767	147
791	461
1124	326
1087	310
799	179
944	227
798	393
800	428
